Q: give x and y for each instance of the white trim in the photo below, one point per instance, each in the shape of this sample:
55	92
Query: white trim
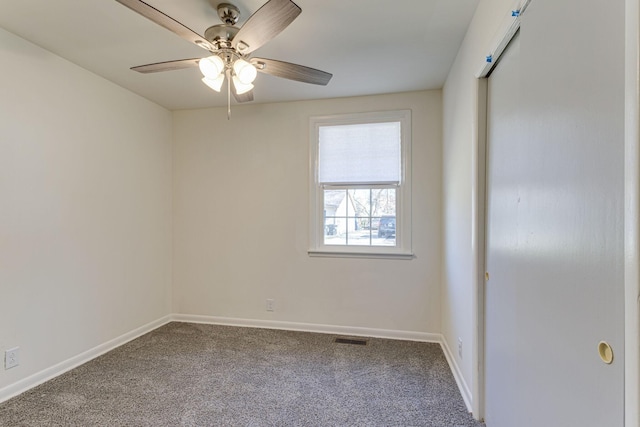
49	373
478	243
457	375
374	255
632	215
310	327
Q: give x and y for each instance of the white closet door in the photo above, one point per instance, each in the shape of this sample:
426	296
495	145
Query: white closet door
555	221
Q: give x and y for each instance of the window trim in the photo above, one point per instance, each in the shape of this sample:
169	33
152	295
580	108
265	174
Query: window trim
403	248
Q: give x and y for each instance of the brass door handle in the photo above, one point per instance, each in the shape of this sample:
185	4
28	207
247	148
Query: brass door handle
606	352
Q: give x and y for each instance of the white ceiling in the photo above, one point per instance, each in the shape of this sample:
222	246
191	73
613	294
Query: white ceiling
370	46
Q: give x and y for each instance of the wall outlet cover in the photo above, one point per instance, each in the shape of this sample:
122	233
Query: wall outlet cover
11	358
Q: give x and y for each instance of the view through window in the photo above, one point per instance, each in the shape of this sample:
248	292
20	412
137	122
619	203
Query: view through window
360	216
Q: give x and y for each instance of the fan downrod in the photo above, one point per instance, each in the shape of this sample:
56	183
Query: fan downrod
220	35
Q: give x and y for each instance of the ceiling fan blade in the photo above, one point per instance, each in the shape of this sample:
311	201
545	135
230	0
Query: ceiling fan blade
268	21
291	71
245	97
167	66
166	21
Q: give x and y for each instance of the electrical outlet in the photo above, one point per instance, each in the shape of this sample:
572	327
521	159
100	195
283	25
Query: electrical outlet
270	304
11	358
460	347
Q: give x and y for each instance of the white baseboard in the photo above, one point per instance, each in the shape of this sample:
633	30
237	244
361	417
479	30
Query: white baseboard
45	375
310	327
465	391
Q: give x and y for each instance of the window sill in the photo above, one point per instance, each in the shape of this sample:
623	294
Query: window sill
372	255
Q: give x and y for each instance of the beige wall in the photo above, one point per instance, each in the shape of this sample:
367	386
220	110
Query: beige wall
85	209
241	221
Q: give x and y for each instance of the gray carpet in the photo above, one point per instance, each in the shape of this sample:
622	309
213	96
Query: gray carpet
186	374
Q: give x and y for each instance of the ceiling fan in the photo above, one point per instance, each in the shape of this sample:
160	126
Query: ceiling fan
231	47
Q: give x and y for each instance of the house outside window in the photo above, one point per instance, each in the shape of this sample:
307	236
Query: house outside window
360	196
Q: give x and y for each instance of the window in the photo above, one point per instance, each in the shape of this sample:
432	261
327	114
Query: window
360	184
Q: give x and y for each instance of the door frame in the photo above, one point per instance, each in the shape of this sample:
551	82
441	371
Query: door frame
631	208
478	242
507	30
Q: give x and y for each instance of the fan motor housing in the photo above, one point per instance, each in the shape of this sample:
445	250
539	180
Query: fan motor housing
220	35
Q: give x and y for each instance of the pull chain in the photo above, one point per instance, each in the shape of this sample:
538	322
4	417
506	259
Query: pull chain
228	95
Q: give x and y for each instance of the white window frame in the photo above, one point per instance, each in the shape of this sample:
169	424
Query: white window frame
403	248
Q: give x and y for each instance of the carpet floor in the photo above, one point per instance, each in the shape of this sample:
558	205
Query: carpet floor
185	374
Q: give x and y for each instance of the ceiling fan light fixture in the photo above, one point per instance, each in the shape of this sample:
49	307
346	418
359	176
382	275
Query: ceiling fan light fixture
245	72
215	84
211	67
230	47
241	87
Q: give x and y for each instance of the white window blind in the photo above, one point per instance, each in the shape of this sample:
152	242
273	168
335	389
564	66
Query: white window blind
368	153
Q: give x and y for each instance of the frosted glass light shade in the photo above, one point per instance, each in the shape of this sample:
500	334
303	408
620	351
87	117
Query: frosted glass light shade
215	84
245	72
211	67
241	87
